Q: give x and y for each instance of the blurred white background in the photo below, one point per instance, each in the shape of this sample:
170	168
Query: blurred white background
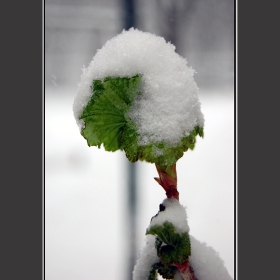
87	229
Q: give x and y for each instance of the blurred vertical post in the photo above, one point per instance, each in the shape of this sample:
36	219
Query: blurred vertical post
130	21
173	15
132	217
129	14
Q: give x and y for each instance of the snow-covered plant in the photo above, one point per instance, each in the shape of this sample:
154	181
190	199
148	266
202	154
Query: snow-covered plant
139	96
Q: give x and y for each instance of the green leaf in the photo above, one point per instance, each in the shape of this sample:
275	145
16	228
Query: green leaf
105	113
160	153
153	272
107	123
175	247
158	243
167	272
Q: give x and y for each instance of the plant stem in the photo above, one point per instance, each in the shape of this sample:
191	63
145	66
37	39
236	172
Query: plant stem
186	270
168	180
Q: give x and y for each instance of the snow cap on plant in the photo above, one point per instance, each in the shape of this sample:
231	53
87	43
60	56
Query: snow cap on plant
171	243
139	95
169	209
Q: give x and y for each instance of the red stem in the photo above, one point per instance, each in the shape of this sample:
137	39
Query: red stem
168	180
186	270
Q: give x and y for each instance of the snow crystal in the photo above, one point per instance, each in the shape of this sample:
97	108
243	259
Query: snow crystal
168	108
174	213
147	259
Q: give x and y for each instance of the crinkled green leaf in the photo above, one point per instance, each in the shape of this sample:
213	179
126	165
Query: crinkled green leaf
153	272
107	123
105	113
175	247
167	272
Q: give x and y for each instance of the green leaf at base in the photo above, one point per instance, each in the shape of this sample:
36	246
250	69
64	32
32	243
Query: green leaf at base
172	247
160	153
165	271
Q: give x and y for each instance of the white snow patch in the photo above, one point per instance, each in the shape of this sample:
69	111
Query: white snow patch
147	259
206	262
168	108
174	213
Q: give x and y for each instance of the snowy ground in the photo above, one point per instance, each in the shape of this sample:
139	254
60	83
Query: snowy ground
85	188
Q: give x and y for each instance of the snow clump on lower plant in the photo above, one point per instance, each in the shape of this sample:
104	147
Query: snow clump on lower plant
173	212
205	261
